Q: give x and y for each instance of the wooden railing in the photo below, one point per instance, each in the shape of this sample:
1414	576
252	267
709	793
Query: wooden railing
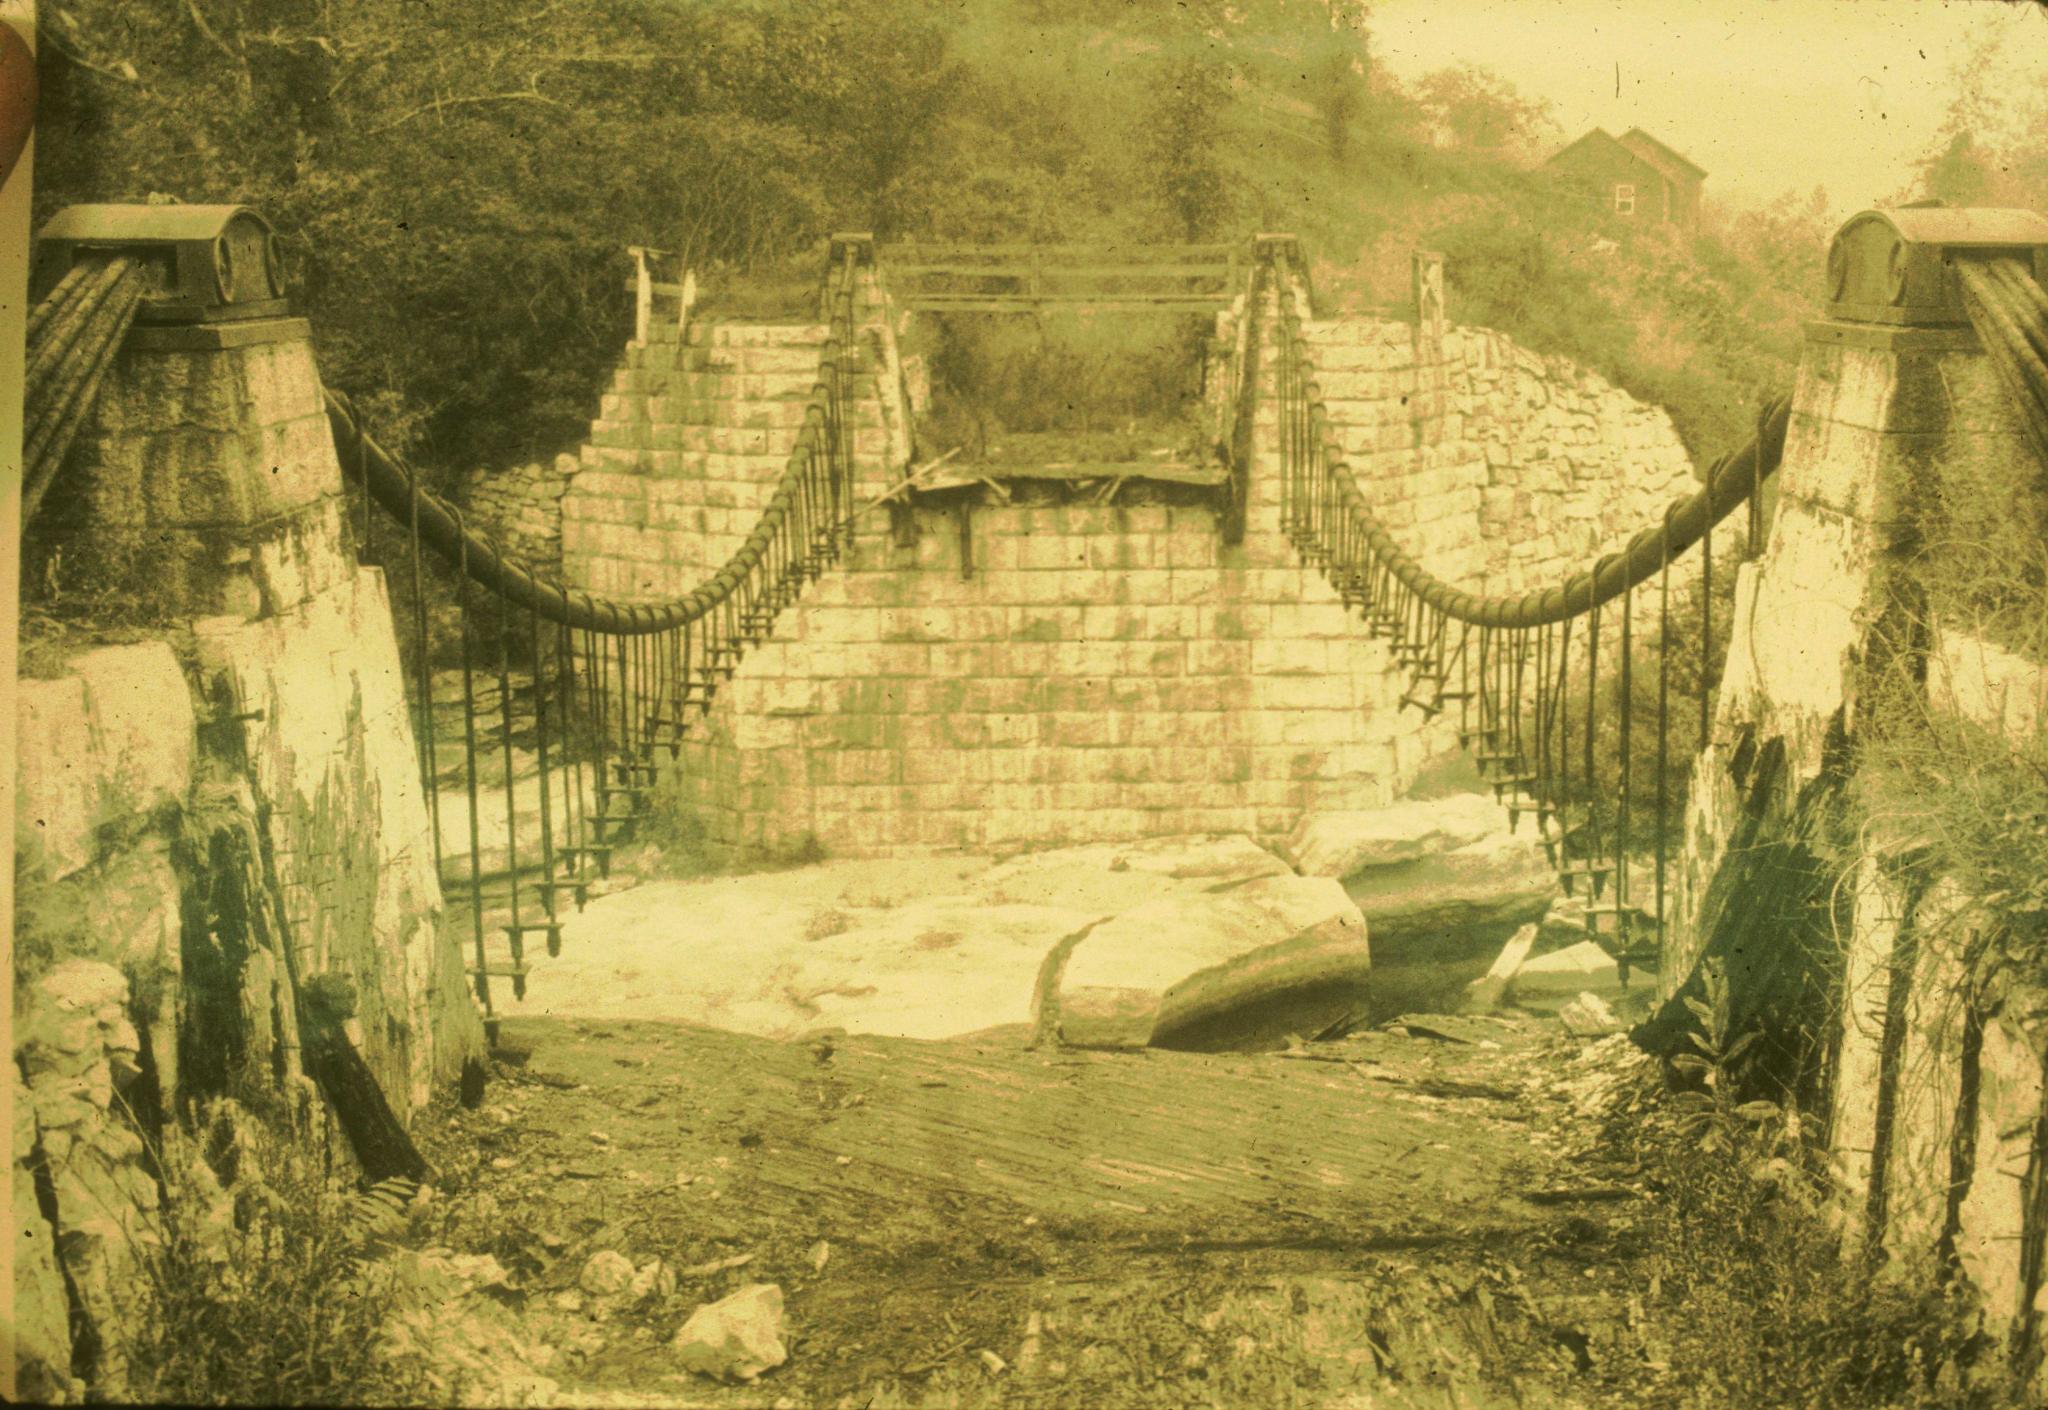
1039	278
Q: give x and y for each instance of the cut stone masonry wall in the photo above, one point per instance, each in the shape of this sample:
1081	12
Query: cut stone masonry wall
259	747
521	509
687	450
1105	668
1500	470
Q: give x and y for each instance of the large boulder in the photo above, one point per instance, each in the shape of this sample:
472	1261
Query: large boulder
1190	941
77	1052
1343	844
1429	871
1115	875
932	968
1270	956
779	954
735	1338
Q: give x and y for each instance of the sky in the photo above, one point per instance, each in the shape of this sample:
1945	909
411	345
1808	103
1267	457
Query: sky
1767	95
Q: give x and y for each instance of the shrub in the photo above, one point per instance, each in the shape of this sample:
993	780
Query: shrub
1068	373
1765	1303
261	1287
1968	795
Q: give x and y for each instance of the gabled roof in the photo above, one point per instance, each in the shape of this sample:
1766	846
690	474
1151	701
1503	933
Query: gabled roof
1598	137
1660	156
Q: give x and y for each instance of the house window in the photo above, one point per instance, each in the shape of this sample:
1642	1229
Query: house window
1624	198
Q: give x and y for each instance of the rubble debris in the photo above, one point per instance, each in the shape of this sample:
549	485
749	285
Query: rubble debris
735	1338
716	1265
654	1277
607	1273
1487	991
1589	1016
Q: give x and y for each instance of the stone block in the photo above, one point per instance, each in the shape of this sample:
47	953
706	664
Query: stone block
1987	684
1850	469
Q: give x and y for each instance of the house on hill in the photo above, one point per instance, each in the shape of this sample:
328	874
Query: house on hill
1635	176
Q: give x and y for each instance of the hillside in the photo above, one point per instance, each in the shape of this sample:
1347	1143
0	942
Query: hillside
455	190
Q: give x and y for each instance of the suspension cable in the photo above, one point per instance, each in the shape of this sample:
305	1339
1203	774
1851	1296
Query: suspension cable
823	448
74	335
1730	482
2009	310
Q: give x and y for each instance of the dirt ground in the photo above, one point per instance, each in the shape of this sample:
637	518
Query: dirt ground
1405	1217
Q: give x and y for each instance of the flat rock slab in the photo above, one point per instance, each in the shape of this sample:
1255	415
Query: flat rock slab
1182	964
1433	872
1341	844
1209	863
1548	981
1197	941
781	953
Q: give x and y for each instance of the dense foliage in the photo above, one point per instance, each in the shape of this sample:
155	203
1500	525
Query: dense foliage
456	186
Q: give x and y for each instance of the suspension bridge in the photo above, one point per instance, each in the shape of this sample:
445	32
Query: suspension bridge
1600	707
603	691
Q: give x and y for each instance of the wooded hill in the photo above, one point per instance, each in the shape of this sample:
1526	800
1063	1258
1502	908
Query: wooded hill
455	186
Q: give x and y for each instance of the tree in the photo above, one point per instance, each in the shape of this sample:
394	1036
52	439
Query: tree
1961	174
1182	138
1480	111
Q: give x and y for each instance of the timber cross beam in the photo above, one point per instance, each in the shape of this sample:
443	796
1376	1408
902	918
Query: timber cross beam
958	278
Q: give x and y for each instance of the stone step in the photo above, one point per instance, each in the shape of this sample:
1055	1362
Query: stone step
681	457
641	435
664	362
630	380
715	333
1370	357
664	408
703	411
868	425
714	383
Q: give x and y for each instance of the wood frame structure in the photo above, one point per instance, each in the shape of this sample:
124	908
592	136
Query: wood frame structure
1034	279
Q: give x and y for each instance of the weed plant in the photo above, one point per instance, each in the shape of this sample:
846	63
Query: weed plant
1959	776
1078	386
263	1288
1767	1301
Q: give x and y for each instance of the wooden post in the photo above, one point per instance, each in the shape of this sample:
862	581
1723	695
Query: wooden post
1430	320
643	297
683	305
